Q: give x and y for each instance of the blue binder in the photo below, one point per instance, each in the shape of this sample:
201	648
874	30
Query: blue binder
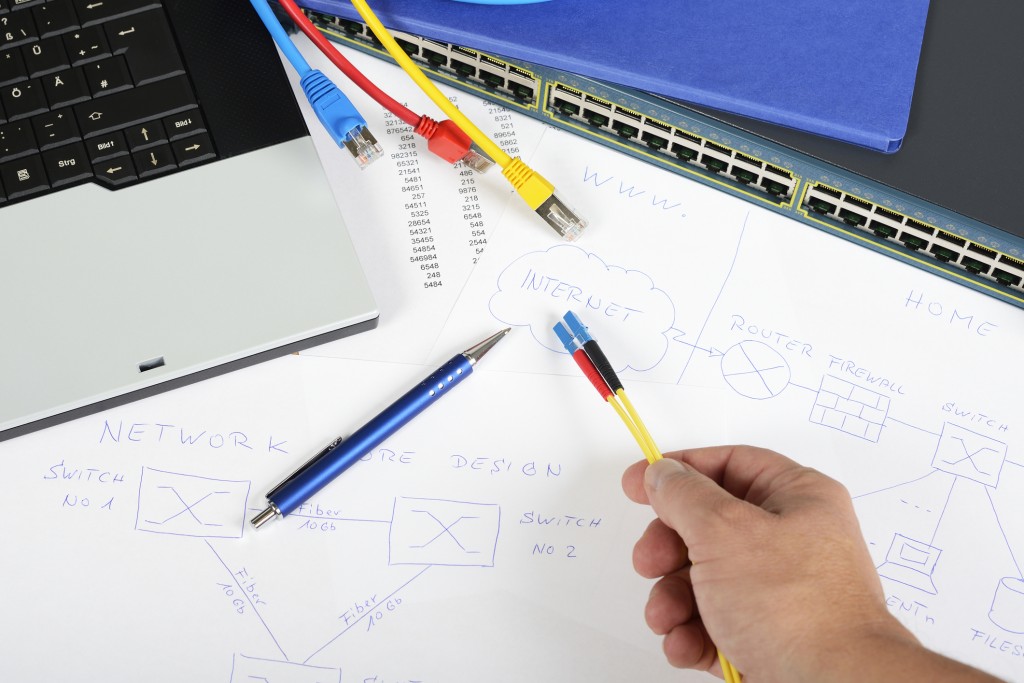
844	70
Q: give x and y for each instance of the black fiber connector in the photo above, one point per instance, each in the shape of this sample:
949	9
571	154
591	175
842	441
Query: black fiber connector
600	361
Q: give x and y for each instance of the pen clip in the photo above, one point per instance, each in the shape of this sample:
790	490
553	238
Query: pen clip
326	449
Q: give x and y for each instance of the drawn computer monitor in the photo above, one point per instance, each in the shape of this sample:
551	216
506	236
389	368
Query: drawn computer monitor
911	563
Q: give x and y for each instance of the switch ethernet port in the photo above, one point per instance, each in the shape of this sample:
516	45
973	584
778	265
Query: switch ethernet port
1004	278
655	142
624	129
820	205
492	79
522	92
436	59
1019	265
742	175
689	136
984	251
353	28
599	102
566	108
749	160
852	218
858	202
918	225
462	68
718	148
683	152
912	242
522	73
712	164
772	187
943	254
626	112
974	266
595	119
411	49
952	239
891	215
824	189
882	230
658	125
778	171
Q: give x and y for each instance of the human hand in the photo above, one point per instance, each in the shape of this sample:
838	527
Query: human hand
763	558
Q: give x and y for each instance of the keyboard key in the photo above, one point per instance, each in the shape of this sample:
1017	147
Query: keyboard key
17	140
192	150
106	147
66	165
16	28
93	11
129	107
55	128
23	99
23	177
86	45
143	135
45	56
66	87
12	67
154	161
107	76
148	45
183	125
115	172
54	18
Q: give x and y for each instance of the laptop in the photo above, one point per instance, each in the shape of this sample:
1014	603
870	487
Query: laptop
163	214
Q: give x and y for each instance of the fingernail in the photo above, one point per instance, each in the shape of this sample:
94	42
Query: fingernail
659	471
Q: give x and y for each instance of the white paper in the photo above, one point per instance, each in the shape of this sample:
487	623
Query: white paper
489	539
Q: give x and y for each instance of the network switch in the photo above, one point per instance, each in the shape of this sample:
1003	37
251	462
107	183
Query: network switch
728	158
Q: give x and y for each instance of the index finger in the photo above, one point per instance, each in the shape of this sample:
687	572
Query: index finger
744	471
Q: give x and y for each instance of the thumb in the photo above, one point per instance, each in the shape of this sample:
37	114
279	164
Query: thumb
686	500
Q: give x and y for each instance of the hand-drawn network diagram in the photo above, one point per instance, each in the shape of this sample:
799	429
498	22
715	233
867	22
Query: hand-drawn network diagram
963	465
421	533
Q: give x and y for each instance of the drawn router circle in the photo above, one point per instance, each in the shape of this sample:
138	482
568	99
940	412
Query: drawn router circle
755	370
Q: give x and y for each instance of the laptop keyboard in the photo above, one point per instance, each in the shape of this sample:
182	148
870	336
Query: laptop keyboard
92	91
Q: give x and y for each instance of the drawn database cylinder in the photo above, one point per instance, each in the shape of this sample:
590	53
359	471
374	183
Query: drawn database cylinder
1008	605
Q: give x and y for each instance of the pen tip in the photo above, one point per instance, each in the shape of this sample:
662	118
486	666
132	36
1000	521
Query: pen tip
477	351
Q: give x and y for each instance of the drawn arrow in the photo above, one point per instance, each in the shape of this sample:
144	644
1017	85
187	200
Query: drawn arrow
192	148
712	352
126	31
114	169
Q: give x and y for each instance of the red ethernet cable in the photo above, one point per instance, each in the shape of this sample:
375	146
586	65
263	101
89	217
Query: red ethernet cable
444	139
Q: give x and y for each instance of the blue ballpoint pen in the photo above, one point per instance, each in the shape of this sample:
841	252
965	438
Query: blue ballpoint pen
342	453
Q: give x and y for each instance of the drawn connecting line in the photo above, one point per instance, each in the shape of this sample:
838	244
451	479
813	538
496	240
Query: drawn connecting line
849	408
189	505
755	370
968	454
911	563
446	532
245	669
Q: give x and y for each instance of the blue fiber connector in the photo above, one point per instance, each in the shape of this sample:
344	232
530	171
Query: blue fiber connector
340	118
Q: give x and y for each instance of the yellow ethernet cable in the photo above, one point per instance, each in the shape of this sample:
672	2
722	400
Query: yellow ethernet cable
537	191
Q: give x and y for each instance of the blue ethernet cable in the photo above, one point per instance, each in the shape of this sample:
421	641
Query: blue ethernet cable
337	114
